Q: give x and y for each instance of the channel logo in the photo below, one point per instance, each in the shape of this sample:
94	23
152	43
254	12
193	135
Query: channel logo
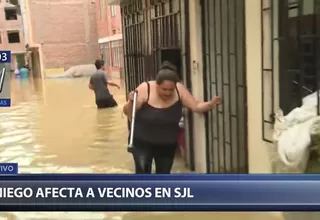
3	102
5	56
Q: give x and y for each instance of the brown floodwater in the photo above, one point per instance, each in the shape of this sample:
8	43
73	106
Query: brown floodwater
54	127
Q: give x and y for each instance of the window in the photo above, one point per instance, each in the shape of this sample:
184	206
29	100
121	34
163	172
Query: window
113	10
290	55
11	14
299	62
117	54
13	2
13	37
114	31
102	7
105	53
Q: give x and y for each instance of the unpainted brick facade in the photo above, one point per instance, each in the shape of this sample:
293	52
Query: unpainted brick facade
66	31
6	26
12	25
109	26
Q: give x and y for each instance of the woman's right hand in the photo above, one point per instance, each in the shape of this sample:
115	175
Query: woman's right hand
131	96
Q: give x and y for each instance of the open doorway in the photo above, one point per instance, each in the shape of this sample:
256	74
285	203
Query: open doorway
174	57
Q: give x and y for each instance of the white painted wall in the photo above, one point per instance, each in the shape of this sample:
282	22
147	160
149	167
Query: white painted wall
259	150
197	84
110	38
259	161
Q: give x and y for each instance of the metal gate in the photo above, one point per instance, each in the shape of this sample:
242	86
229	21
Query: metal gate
225	75
299	51
290	55
135	42
154	31
170	32
165	28
151	27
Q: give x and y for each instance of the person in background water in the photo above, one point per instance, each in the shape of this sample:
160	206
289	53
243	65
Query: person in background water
17	72
158	113
28	67
99	84
24	72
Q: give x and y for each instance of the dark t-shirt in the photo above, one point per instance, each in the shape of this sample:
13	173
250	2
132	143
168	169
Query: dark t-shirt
99	81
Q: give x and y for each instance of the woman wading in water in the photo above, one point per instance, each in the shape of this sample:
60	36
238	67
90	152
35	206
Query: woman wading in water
158	113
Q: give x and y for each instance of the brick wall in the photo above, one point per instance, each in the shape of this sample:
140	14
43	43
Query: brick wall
67	31
116	21
106	22
109	25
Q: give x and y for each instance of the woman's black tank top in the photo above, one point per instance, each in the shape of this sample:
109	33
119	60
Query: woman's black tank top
158	125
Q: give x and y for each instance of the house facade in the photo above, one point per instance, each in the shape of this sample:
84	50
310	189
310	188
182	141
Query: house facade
110	37
57	39
11	33
258	55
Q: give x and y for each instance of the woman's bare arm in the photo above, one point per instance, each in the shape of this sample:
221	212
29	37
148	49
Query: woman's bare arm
194	105
141	98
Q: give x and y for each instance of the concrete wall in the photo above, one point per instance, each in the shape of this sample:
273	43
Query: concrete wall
66	31
11	25
259	161
197	84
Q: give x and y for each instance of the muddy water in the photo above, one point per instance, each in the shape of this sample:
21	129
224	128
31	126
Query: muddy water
54	127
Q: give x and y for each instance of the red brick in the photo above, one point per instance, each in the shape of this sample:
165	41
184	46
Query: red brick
106	27
109	23
67	31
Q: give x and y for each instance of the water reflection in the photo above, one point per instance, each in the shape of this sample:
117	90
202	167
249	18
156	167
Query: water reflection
54	127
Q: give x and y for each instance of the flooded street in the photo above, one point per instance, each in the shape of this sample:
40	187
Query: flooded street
54	127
